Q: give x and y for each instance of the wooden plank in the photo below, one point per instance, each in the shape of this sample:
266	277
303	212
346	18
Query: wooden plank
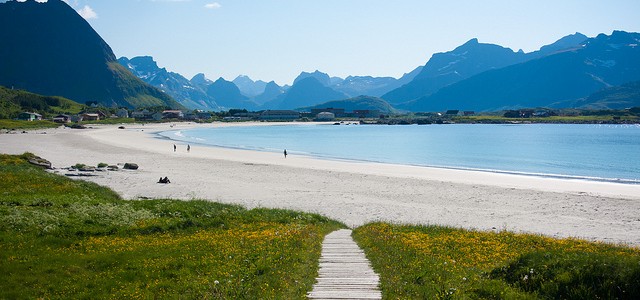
345	272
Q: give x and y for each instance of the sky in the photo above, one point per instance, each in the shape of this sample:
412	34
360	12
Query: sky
278	39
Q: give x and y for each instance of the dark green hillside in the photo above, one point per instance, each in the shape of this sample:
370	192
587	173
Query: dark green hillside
360	103
54	51
13	102
617	97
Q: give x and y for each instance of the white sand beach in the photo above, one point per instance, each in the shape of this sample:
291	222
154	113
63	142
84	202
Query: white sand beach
352	192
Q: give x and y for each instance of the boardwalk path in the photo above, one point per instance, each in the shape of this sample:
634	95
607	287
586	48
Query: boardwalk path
345	272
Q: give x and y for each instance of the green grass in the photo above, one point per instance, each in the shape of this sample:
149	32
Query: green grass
62	238
431	262
22	125
551	120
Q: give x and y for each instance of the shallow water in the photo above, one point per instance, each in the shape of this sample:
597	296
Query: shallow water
596	152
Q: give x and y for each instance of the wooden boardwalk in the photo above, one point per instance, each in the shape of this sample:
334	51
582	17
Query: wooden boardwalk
344	272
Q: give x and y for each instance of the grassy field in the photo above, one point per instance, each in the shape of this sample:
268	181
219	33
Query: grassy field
430	262
551	120
22	125
62	239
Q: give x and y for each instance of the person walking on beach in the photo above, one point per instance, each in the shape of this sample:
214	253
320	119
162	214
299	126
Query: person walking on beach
285	153
188	148
174	147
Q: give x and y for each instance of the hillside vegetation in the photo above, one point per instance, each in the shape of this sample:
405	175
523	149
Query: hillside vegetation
619	97
359	103
13	102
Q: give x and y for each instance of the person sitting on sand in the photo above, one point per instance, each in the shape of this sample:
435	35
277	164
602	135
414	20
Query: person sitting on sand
164	180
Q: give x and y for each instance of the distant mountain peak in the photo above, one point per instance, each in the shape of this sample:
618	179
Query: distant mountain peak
145	62
272	84
186	92
271	91
248	87
308	81
201	78
323	78
569	41
473	41
228	95
307	91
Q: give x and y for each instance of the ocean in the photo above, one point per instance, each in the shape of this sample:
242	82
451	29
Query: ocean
592	152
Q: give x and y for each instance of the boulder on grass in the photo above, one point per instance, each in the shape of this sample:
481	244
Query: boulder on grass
38	161
130	166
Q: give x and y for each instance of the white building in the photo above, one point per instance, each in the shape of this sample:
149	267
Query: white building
325	116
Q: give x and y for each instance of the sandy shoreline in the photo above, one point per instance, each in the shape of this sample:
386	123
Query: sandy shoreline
352	192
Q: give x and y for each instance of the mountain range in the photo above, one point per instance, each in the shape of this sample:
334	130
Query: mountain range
49	49
474	76
555	80
54	51
360	85
307	91
183	90
248	87
468	60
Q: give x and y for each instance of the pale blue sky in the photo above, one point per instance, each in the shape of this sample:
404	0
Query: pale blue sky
277	39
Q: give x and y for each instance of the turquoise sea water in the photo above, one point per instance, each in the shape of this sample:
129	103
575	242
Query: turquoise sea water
596	152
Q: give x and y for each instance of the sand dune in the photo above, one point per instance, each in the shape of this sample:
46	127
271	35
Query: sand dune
352	192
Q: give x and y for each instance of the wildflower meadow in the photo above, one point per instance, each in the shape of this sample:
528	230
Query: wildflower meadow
433	262
62	239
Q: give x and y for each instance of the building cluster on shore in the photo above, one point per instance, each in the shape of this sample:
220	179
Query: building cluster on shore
365	116
141	115
326	114
321	114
